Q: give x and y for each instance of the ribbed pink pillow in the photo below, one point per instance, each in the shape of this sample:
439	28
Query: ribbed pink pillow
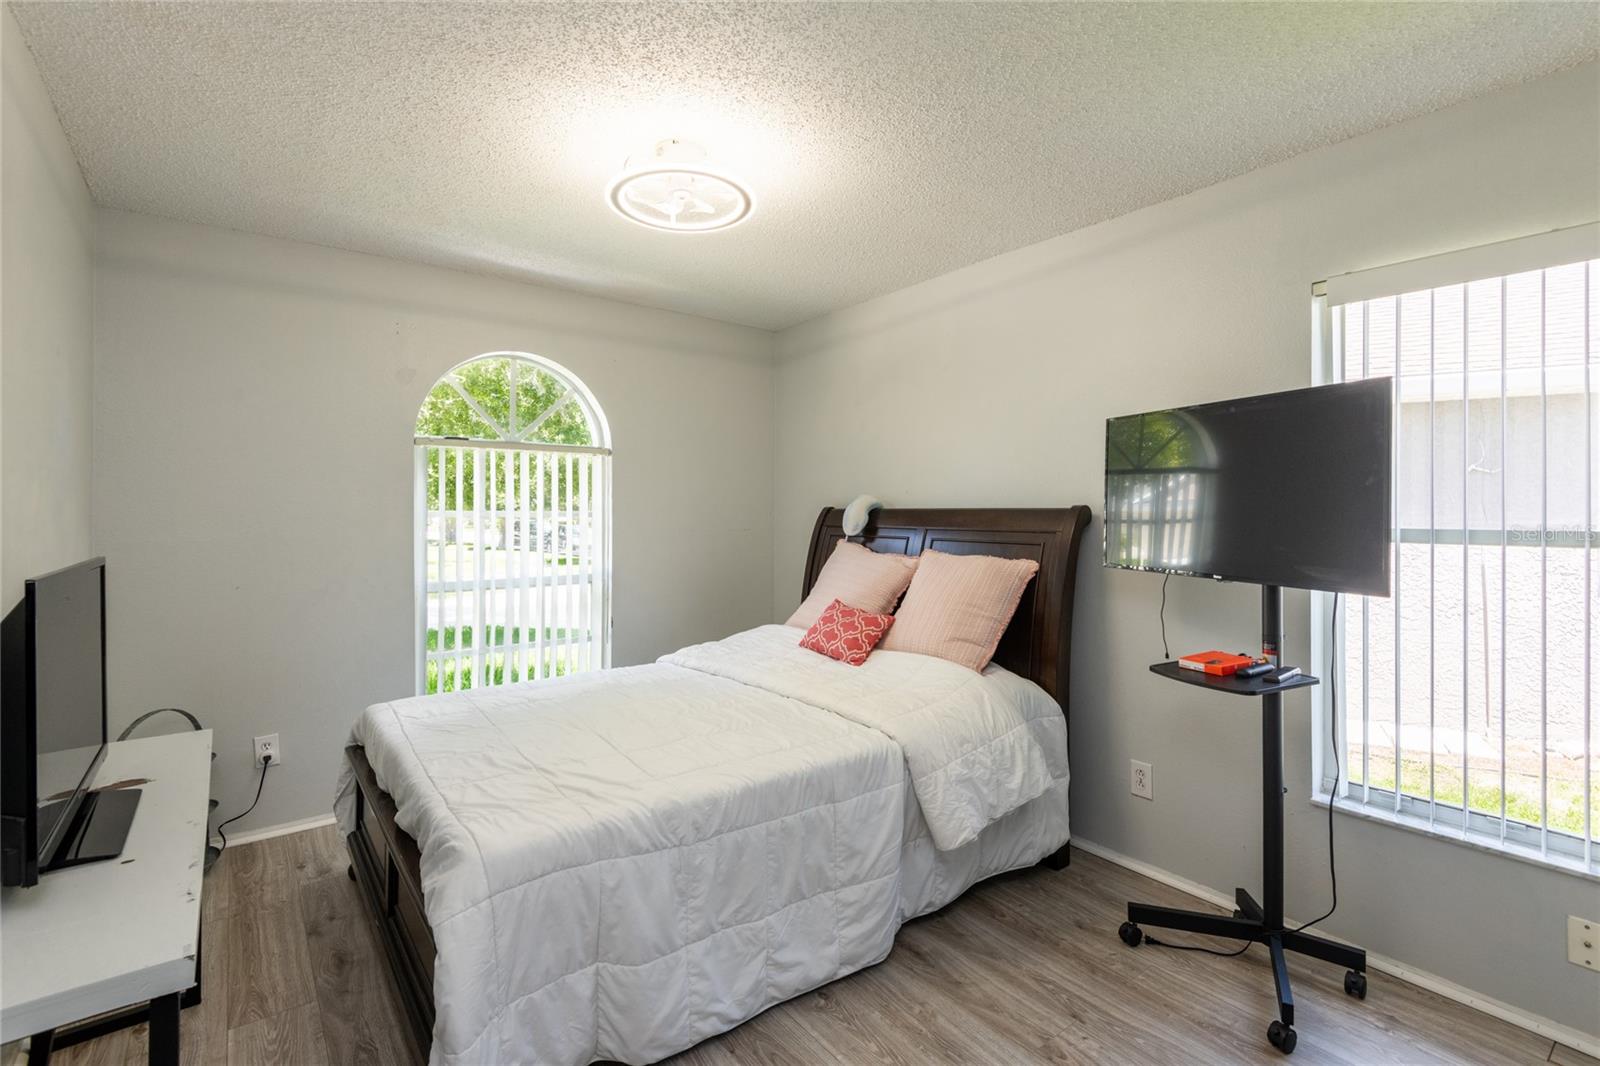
958	606
858	576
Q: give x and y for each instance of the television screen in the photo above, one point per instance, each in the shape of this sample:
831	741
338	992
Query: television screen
1291	488
69	687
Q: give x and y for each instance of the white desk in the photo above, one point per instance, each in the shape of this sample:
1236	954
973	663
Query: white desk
99	937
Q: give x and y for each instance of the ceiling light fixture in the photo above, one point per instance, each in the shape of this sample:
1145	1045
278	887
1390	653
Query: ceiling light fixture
673	188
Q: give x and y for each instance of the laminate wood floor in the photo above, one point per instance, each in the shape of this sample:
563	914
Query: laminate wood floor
1026	968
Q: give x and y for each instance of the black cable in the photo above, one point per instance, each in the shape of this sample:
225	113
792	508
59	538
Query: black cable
1166	653
1333	733
193	721
265	763
1196	947
1148	939
1333	746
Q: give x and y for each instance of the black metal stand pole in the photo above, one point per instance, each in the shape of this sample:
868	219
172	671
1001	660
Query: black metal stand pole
1272	765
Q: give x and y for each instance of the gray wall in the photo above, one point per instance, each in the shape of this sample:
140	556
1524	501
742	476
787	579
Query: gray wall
46	391
255	402
991	386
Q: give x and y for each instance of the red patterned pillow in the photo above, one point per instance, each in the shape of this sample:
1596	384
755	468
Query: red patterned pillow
846	633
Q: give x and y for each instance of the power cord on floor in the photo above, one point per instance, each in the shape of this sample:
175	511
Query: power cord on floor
1148	939
266	763
1333	746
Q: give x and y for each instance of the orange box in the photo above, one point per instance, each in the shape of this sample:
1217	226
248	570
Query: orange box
1219	663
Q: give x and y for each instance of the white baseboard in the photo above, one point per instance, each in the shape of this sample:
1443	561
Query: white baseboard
1573	1038
283	830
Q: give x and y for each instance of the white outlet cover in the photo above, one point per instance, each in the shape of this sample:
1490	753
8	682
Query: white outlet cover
277	748
1583	942
1140	781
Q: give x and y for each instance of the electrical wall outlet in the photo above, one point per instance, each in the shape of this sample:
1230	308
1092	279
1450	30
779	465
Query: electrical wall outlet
1139	782
268	745
1583	942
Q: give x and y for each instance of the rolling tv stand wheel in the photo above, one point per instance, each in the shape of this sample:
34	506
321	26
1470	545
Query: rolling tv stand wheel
1282	1037
1355	984
1131	934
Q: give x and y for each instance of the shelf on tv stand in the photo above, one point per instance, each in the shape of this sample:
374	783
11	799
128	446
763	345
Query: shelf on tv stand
1235	686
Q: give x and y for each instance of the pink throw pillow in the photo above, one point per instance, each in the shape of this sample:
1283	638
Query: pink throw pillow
958	606
858	576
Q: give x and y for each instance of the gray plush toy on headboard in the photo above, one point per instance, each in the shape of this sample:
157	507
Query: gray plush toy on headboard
855	515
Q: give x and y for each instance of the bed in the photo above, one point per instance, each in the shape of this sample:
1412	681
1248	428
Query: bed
621	864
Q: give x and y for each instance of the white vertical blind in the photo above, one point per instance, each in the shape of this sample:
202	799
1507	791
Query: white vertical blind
537	539
586	584
1473	689
1399	628
420	548
1591	462
570	599
515	581
457	537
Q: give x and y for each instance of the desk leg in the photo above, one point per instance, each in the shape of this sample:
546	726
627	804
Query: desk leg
39	1047
164	1029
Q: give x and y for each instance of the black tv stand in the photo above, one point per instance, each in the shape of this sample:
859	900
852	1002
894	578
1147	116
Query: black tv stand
1252	921
98	830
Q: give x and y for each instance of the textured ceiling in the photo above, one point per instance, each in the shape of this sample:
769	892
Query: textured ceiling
885	143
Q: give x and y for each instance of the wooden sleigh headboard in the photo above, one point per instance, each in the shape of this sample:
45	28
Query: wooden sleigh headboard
1038	643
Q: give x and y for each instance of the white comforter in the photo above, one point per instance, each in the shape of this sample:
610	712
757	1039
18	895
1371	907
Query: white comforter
621	864
968	738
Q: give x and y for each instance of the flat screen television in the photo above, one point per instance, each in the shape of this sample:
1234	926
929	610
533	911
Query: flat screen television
1290	489
53	728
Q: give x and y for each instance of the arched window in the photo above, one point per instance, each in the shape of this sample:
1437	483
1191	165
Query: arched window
513	534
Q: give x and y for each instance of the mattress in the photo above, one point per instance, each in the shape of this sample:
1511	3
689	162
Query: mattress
621	864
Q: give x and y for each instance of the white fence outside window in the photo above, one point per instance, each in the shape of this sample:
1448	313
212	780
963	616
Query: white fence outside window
1467	698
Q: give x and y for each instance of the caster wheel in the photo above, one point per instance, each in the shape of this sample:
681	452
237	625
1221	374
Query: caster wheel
1282	1037
1131	934
350	872
1355	984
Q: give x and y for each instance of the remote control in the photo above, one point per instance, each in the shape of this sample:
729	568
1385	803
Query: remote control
1256	670
1286	674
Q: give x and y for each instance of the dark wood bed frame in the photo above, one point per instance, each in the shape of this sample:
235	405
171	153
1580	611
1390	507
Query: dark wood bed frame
386	863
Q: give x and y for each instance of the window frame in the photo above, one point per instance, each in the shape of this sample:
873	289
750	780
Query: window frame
1543	846
514	441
